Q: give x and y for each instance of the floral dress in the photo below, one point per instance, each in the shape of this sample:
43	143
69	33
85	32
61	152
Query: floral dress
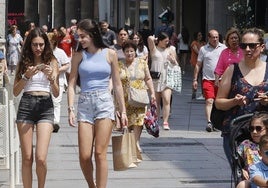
249	152
133	75
13	48
239	85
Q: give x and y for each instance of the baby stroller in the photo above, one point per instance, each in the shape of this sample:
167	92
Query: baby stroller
239	133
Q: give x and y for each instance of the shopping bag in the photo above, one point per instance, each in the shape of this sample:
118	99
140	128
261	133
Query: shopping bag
151	122
125	152
173	77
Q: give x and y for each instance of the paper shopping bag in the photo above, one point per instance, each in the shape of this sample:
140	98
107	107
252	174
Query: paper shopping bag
125	152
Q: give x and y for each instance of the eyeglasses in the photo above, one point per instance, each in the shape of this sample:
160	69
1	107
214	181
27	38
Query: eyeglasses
41	45
250	45
257	128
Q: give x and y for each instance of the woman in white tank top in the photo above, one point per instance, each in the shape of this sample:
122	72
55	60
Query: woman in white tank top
37	76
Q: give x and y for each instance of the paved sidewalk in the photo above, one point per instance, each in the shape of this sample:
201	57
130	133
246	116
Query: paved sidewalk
185	156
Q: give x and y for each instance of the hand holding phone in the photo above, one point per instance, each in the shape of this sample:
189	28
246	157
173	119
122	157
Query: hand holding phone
261	96
40	66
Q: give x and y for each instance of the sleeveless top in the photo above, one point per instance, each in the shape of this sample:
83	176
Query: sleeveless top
119	52
38	82
159	58
94	71
240	86
159	64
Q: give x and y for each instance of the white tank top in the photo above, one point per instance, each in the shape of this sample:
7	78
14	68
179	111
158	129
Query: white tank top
38	82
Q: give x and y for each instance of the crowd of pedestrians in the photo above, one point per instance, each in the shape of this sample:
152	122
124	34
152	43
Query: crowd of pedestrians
106	62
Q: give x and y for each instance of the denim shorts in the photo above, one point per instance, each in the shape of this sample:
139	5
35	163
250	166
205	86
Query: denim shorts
95	105
35	109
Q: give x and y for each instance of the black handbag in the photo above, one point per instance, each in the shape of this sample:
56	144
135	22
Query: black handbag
217	117
155	75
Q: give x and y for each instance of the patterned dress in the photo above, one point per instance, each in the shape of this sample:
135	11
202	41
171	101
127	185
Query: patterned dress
249	152
13	48
133	75
241	86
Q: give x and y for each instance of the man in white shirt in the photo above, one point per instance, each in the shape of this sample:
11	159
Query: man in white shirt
207	61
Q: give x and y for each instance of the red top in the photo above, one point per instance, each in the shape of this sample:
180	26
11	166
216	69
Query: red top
66	44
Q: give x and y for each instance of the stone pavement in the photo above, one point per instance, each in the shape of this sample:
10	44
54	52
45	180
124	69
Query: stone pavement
186	156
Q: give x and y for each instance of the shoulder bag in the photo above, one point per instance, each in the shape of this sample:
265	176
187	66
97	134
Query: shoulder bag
137	97
217	116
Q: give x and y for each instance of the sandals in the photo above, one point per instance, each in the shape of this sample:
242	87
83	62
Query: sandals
166	126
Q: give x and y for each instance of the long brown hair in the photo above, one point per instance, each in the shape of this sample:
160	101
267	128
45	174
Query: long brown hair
91	28
27	56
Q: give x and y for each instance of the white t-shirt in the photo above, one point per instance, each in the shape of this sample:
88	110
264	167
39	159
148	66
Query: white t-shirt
182	45
143	53
209	57
62	59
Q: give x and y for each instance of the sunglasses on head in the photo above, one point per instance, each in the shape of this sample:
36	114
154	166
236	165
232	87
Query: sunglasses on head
250	45
257	128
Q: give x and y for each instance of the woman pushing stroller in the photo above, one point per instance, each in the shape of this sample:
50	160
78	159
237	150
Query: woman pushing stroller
244	85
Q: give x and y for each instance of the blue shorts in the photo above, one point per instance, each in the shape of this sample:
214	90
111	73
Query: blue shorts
35	109
95	105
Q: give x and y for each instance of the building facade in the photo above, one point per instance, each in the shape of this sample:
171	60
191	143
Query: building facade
3	13
201	15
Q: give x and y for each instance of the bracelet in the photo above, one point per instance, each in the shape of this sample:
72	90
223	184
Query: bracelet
51	80
25	78
194	80
71	108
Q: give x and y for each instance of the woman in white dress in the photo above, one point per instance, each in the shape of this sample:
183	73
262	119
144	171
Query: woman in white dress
14	43
161	53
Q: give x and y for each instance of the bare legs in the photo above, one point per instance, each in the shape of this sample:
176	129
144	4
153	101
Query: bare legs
137	132
26	143
43	134
165	95
87	134
183	61
208	108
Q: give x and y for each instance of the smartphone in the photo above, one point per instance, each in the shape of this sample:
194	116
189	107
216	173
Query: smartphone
40	66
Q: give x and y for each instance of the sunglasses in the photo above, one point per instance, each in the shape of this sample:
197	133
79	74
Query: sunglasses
257	128
266	153
250	45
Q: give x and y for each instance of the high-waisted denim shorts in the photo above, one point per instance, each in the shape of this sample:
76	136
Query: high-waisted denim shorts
35	109
95	105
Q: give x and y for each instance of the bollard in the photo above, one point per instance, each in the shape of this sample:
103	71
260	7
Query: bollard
9	140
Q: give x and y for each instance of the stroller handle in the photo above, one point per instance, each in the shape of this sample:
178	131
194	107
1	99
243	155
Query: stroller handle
241	118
